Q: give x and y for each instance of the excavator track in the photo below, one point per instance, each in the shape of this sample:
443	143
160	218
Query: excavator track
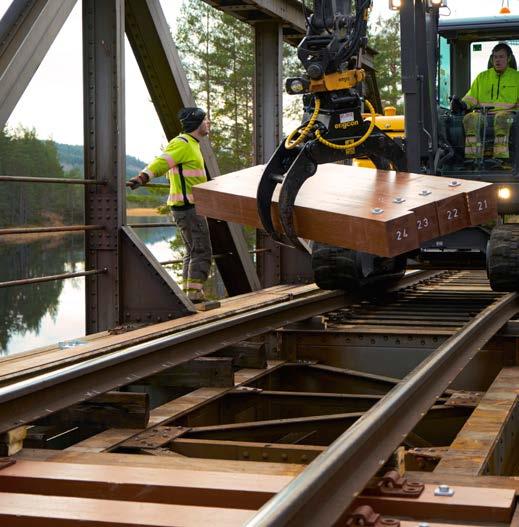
338	268
503	258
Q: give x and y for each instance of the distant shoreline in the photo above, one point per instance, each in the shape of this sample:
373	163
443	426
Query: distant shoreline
17	239
141	211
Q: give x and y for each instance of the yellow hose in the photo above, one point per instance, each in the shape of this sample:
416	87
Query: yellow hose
355	143
289	144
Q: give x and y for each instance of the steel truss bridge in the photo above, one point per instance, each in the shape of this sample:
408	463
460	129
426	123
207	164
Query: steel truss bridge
287	405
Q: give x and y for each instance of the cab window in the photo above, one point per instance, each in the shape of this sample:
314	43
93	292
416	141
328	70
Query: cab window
480	54
444	73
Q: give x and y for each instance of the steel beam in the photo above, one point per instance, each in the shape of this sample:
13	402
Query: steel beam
103	66
268	117
268	127
149	293
150	37
27	30
410	84
278	264
333	480
287	13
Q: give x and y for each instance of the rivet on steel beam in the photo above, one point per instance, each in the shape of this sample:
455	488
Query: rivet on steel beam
377	211
399	200
443	490
454	183
425	192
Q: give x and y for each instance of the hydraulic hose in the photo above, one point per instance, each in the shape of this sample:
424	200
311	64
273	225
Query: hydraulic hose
356	143
289	143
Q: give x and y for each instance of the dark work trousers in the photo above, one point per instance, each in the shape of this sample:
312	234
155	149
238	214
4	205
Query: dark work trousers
197	260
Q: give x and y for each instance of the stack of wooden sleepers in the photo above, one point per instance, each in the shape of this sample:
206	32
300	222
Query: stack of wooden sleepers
381	212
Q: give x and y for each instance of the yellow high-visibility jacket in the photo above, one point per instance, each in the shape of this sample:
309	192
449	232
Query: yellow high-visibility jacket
182	160
492	89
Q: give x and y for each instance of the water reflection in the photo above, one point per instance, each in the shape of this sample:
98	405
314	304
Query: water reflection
36	315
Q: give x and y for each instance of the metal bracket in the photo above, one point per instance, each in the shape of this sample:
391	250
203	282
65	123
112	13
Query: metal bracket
444	490
365	516
154	437
464	398
124	328
6	462
247	389
304	362
394	485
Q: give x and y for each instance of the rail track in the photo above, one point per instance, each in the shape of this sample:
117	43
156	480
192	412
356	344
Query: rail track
287	429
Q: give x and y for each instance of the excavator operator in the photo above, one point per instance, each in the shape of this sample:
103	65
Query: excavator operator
494	92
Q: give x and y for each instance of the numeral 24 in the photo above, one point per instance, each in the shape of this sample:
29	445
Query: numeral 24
400	235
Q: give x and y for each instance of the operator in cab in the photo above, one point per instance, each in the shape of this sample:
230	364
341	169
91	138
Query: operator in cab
496	89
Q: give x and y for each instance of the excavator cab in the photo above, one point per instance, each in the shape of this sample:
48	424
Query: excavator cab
464	49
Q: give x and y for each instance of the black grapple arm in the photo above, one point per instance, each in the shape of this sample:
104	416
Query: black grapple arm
333	127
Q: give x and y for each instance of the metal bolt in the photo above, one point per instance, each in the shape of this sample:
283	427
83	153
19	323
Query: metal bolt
454	183
425	192
443	490
377	211
399	200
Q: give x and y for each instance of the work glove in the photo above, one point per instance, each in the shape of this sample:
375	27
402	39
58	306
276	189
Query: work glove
138	181
458	107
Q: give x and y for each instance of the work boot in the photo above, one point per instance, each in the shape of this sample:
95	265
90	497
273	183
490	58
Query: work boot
196	295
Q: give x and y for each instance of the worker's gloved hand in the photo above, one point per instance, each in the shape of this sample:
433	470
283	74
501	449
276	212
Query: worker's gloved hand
138	181
458	107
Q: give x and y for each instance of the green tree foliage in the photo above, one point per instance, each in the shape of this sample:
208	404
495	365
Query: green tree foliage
217	52
384	37
23	154
72	157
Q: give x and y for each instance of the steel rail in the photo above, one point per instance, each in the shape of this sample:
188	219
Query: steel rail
50	278
29	399
42	230
151	225
64	181
24	401
214	256
333	480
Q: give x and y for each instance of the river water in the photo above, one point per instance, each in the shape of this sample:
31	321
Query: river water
37	315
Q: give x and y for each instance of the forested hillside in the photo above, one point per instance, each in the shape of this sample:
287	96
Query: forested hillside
71	157
23	154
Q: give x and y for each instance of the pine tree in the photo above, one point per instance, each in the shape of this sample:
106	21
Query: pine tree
217	52
384	37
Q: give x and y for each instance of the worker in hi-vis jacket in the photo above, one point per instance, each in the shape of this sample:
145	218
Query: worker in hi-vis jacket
498	90
183	162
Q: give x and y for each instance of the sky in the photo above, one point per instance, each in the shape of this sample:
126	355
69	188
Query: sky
52	103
